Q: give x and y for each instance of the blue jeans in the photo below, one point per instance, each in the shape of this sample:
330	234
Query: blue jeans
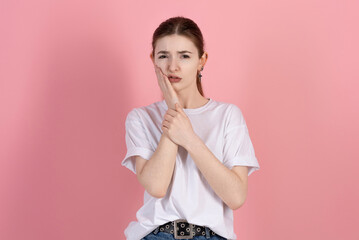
168	236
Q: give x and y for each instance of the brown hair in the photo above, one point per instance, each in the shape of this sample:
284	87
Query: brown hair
184	27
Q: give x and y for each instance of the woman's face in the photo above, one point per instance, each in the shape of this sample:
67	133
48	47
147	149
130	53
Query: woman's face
177	55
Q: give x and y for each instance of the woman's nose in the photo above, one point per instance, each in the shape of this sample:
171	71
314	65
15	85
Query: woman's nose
173	65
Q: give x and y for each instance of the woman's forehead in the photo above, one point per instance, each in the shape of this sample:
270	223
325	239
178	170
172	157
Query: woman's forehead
174	44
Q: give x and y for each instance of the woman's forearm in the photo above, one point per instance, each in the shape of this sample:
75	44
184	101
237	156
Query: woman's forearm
157	173
225	183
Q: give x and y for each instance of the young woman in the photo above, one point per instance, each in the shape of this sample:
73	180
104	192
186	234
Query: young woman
192	154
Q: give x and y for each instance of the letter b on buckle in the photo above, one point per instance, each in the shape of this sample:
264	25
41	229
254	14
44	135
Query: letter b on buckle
191	232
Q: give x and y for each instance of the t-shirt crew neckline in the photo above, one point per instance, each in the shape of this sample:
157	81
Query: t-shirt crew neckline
192	110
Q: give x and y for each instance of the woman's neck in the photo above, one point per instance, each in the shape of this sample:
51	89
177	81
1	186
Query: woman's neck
191	102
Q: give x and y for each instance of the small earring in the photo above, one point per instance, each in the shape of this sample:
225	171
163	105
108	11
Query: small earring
200	75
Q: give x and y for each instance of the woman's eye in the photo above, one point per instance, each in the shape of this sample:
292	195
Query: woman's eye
164	56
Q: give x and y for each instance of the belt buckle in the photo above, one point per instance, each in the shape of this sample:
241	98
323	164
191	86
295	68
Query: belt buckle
191	232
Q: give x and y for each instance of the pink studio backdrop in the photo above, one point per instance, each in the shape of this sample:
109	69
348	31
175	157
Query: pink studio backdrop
70	71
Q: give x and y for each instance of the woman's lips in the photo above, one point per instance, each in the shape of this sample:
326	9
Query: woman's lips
174	79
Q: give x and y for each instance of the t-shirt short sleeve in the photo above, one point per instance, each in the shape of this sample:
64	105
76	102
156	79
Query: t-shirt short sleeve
137	141
238	148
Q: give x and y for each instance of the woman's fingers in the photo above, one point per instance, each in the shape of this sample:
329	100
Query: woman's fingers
160	79
169	93
170	89
170	115
164	77
165	124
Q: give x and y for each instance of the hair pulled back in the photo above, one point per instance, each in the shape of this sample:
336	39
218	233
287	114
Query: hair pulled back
185	27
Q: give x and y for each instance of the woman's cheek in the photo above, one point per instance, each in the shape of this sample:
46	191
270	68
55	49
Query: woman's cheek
161	64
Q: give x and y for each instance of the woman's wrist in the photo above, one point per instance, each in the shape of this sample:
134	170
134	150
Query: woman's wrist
167	139
193	143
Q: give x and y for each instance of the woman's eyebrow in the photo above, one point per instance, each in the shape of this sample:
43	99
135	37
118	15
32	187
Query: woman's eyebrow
177	51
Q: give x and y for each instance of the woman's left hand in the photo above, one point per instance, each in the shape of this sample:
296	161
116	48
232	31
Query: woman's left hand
177	126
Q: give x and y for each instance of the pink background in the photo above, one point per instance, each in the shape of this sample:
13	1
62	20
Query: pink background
71	70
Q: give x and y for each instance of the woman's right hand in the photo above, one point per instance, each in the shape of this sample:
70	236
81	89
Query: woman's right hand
169	93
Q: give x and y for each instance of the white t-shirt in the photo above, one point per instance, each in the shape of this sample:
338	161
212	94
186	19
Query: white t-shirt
222	127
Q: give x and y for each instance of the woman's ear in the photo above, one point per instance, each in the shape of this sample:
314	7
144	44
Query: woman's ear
203	60
151	56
